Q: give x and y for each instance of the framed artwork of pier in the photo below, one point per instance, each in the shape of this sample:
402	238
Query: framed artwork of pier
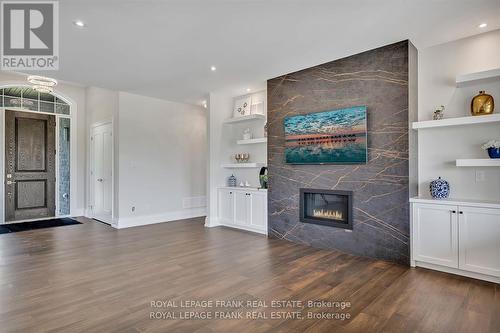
327	137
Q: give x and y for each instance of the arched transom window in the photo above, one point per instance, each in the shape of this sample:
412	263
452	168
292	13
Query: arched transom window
27	98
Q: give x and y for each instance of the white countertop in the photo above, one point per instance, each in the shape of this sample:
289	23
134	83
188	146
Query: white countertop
244	188
458	202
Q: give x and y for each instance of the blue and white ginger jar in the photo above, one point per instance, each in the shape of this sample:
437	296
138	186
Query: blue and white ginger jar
440	189
231	181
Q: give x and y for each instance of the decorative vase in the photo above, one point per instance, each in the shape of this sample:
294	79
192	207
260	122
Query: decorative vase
440	189
247	135
263	177
231	181
494	152
482	104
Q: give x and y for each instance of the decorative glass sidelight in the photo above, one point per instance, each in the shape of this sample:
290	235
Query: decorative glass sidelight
64	156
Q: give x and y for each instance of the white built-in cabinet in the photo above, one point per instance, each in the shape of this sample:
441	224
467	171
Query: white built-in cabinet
436	234
243	208
479	240
457	237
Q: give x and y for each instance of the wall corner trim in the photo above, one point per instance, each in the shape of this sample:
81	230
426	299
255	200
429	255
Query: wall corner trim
211	222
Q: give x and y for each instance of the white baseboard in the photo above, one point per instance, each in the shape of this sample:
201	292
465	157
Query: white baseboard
458	272
88	213
136	221
246	228
78	212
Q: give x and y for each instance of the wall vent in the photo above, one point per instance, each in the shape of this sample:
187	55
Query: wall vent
194	202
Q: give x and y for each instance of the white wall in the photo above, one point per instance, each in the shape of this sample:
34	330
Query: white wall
77	95
160	153
438	148
222	147
162	159
102	105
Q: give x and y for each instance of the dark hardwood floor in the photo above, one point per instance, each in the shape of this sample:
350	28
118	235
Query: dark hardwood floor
92	278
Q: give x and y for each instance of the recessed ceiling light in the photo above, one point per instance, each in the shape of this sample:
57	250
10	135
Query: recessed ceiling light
79	23
248	89
213	68
483	25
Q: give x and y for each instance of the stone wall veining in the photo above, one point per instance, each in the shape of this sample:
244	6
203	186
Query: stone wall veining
379	80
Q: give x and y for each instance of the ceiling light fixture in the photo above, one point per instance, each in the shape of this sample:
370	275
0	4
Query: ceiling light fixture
204	104
248	89
43	89
483	25
213	68
79	23
42	84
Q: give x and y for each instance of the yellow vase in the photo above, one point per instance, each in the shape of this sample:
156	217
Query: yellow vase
482	104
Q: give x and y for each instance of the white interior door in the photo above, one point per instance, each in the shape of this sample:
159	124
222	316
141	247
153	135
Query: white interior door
102	172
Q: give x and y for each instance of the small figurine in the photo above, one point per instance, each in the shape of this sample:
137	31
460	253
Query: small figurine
439	113
247	135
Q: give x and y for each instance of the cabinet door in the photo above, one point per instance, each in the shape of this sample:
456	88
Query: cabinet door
241	208
226	206
435	230
479	230
258	210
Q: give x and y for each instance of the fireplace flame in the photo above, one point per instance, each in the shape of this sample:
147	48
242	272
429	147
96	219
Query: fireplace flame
328	214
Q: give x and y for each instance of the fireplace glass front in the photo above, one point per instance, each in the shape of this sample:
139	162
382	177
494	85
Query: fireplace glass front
326	207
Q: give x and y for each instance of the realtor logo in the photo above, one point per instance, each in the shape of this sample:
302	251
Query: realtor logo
30	35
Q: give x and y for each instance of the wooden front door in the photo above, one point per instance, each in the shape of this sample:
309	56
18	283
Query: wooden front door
29	165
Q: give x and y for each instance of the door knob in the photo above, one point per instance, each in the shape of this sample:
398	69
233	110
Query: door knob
100	180
10	182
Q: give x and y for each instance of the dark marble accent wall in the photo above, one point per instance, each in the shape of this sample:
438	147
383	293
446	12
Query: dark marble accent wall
379	80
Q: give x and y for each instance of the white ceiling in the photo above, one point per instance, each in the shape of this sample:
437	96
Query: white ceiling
165	48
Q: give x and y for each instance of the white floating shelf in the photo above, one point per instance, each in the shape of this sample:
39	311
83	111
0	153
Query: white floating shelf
243	165
479	162
478	77
244	118
251	141
470	120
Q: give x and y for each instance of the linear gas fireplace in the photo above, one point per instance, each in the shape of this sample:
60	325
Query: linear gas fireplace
326	207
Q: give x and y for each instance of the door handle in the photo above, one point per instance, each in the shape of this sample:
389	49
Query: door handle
10	182
100	180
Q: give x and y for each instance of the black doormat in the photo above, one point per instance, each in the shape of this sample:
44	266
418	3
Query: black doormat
24	226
